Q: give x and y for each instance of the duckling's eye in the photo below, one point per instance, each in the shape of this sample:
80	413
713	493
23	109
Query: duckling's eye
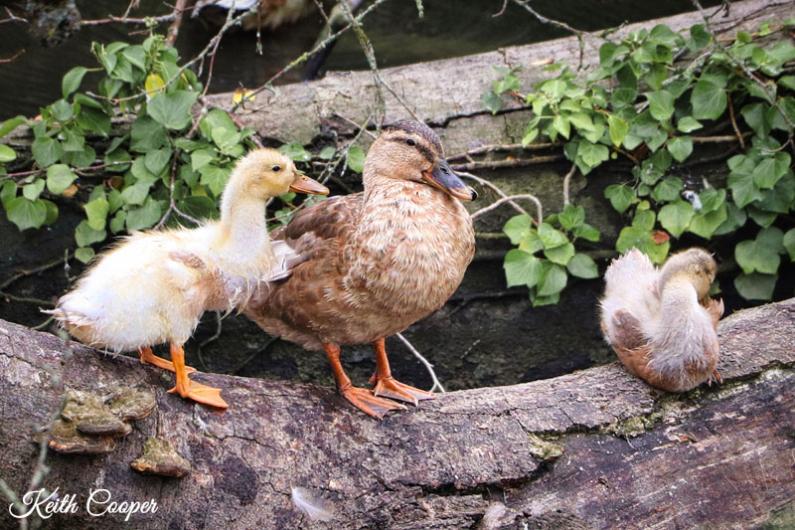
411	142
276	168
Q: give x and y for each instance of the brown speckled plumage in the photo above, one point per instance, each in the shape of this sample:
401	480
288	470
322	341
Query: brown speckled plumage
377	261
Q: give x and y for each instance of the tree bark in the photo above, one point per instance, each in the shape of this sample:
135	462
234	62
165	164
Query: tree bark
596	448
447	93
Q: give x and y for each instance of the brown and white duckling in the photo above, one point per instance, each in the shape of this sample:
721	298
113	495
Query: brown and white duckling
154	286
661	322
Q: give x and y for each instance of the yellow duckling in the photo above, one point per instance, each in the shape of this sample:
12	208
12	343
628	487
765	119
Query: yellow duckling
661	322
154	286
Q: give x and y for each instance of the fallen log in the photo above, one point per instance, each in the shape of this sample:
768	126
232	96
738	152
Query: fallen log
447	93
596	448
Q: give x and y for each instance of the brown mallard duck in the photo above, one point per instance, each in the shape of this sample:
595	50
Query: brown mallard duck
376	261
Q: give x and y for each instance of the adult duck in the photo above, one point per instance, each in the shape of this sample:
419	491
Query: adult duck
376	261
661	322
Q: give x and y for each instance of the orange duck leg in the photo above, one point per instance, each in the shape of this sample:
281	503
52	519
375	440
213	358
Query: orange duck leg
388	386
206	395
147	356
361	398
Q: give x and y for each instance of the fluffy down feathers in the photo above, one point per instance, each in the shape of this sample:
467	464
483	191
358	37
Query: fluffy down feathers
658	327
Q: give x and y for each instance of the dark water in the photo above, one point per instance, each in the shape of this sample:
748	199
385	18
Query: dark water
448	29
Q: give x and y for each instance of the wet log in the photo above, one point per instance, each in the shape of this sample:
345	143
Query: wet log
447	93
593	449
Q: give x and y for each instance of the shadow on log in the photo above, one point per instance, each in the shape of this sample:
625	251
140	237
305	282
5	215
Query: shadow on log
596	448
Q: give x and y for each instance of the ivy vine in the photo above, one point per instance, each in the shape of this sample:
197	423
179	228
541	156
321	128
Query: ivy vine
646	101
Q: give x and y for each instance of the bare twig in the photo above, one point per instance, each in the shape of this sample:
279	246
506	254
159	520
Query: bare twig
562	25
493	148
507	163
496	189
567	185
13	57
734	123
496	204
423	360
173	30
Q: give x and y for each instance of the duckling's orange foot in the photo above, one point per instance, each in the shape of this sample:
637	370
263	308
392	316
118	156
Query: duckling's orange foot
206	395
716	378
148	357
390	387
365	401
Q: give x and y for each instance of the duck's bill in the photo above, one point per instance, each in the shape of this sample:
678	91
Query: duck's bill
444	178
304	184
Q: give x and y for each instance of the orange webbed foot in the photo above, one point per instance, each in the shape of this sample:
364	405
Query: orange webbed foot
206	395
716	378
146	356
364	400
391	388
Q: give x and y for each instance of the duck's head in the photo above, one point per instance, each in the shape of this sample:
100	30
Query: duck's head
410	150
696	265
265	173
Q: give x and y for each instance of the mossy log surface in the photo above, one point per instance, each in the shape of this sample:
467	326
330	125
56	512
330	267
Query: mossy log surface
595	448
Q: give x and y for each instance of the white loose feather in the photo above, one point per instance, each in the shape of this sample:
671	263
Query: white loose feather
312	505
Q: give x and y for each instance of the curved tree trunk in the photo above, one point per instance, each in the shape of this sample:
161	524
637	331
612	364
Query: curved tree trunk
596	448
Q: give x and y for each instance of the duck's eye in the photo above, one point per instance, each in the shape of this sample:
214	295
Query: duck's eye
276	168
411	142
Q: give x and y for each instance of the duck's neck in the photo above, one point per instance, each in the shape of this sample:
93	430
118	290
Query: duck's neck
679	302
243	235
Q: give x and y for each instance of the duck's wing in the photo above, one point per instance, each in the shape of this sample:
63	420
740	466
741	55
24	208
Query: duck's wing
715	309
628	341
312	229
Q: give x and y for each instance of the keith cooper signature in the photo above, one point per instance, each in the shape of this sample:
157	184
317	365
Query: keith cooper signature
100	502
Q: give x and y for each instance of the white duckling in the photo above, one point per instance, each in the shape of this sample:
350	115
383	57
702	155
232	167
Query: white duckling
154	286
661	322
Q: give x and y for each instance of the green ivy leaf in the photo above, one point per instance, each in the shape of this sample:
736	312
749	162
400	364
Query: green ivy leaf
213	177
146	134
356	158
767	173
583	266
71	81
680	147
33	190
661	104
85	235
8	190
97	213
708	100
297	152
560	255
521	268
675	217
667	190
571	217
172	110
26	213
760	254
84	254
144	216
156	160
704	224
46	151
756	286
6	154
551	237
618	127
688	124
553	280
517	227
620	196
587	232
492	101
788	242
10	124
590	155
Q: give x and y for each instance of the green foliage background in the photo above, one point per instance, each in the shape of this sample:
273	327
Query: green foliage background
647	101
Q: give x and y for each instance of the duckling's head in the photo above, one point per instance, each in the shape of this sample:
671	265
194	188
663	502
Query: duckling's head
410	150
696	265
265	173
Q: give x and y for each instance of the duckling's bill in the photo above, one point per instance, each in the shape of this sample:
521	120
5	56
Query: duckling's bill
304	184
443	177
